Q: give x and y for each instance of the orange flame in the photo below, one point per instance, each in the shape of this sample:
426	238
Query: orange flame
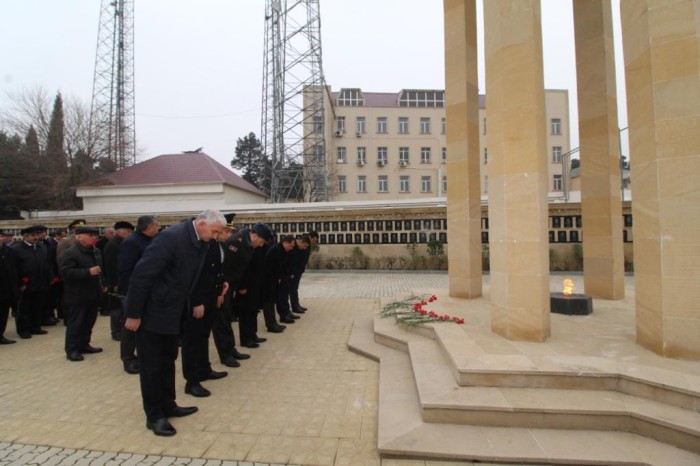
568	287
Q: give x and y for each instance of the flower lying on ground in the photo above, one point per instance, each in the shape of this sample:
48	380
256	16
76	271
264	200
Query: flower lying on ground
411	311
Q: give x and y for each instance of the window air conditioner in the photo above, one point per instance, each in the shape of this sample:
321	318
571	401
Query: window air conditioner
339	133
381	163
358	134
360	163
403	163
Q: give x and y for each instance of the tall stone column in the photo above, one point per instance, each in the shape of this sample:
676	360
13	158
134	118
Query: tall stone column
601	203
462	113
518	178
662	64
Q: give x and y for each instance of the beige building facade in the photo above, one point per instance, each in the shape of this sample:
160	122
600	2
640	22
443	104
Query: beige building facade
383	146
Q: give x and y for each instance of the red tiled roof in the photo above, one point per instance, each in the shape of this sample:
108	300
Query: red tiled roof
179	169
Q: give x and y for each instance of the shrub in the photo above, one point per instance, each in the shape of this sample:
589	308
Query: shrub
436	247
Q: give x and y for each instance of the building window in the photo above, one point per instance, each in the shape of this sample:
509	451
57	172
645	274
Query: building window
486	156
425	184
342	154
425	155
403	125
556	125
425	126
556	154
444	155
557	185
404	186
317	153
443	128
350	98
340	124
361	155
318	125
360	125
382	156
342	184
381	125
383	184
444	184
416	98
403	155
361	184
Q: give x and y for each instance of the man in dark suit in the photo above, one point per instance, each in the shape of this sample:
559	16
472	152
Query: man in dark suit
301	259
56	287
276	278
159	292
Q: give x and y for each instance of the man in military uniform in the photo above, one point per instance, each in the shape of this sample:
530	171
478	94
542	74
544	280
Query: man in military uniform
34	275
8	284
80	268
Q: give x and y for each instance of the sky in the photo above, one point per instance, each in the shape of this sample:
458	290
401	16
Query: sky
198	63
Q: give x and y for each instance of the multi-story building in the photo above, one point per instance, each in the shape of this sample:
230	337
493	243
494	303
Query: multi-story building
392	145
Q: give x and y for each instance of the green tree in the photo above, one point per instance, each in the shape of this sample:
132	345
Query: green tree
252	161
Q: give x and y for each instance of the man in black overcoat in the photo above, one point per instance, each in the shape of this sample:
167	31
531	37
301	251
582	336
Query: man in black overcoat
276	279
110	257
81	268
130	251
298	258
34	276
8	284
158	295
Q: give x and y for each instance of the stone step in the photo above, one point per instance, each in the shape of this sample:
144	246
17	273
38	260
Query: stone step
402	432
471	365
443	401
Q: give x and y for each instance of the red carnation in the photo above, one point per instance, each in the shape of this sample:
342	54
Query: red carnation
25	280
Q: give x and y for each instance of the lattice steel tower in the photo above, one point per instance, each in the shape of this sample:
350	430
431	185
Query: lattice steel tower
112	118
292	128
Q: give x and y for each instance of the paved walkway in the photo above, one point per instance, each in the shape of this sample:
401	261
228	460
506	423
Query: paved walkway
302	398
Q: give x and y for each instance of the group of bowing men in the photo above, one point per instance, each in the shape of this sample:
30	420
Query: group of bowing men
179	294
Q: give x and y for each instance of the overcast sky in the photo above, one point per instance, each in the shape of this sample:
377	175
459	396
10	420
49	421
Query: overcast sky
198	64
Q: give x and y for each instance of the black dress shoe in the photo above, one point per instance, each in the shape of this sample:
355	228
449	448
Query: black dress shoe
295	317
303	308
251	344
74	356
197	390
287	320
238	355
90	350
276	329
161	427
182	411
39	332
214	375
117	336
259	340
298	310
131	367
231	362
25	335
6	341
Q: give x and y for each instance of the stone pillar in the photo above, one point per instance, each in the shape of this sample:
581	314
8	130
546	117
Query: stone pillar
518	177
462	116
662	65
601	203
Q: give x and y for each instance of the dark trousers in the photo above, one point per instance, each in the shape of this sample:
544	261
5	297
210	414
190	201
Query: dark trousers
224	339
79	330
247	318
53	302
283	298
116	319
127	345
4	314
195	345
157	354
30	314
294	292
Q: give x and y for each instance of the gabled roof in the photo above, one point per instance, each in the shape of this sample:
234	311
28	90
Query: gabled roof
179	169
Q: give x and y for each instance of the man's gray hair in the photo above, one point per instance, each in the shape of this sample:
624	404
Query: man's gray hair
212	216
